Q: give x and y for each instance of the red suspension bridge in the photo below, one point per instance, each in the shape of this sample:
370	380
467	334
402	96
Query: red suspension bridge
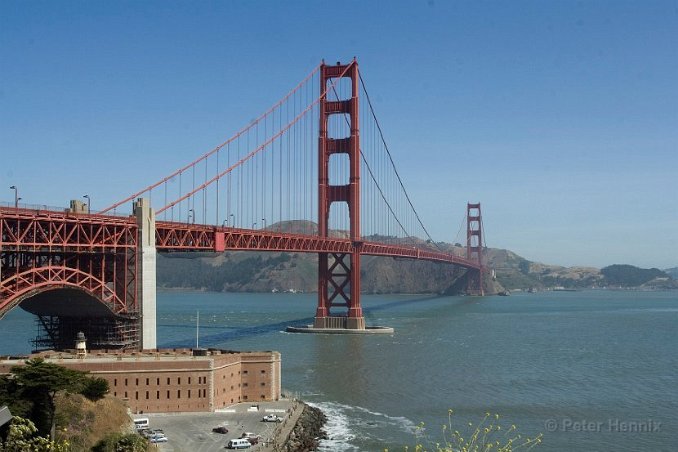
313	174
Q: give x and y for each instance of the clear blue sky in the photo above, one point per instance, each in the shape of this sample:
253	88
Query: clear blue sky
561	117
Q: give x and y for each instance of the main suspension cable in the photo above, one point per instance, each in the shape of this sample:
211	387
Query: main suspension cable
388	152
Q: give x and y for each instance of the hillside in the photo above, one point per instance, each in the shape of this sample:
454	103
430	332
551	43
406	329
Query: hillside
515	272
630	276
672	272
297	272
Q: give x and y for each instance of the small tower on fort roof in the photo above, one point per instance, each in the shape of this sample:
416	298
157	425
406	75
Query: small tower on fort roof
80	345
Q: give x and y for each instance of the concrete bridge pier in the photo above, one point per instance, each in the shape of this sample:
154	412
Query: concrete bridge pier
146	290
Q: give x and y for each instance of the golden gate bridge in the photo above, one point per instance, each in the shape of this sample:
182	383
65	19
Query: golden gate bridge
312	174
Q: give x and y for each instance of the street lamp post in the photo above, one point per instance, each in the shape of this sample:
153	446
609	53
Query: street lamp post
233	220
223	225
190	215
89	204
254	225
16	196
264	222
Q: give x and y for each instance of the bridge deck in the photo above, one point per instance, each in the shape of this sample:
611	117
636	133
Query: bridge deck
190	237
37	229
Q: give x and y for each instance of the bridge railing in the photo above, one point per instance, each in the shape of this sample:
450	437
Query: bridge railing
38	209
35	207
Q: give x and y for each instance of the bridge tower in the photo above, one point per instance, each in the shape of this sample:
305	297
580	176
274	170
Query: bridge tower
339	274
474	248
146	258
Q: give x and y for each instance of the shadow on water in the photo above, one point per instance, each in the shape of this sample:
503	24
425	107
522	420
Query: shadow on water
259	330
239	333
399	303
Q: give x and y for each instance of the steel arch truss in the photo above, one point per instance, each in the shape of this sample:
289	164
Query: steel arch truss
18	287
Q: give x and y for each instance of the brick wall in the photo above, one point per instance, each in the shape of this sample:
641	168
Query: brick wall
175	381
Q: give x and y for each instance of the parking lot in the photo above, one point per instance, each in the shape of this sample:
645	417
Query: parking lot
193	431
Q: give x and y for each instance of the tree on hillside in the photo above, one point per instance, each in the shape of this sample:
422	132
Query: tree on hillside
39	382
9	391
94	388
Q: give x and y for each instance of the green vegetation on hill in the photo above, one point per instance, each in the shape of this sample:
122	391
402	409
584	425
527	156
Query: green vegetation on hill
630	276
208	273
31	390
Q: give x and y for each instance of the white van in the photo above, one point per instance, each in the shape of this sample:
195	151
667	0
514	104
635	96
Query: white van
241	443
141	423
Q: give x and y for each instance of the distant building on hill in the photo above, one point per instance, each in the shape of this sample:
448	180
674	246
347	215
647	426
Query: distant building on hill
175	380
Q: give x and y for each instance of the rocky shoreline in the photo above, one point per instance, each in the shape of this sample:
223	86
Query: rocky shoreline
307	432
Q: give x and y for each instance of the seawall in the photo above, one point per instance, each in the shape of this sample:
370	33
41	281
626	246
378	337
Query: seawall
304	434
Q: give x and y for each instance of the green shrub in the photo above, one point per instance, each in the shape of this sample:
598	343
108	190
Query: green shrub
122	442
487	436
23	436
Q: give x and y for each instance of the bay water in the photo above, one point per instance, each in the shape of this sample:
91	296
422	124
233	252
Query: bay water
590	370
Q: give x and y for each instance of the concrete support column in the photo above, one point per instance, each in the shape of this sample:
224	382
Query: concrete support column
146	255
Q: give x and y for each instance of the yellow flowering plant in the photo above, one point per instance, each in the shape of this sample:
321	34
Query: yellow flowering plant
487	436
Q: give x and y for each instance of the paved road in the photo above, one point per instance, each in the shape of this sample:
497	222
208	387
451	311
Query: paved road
193	431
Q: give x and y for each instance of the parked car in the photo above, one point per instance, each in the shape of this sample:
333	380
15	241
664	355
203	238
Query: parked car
158	439
220	429
241	443
251	437
271	418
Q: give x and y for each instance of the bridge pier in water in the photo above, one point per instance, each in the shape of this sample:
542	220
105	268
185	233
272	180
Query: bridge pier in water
337	280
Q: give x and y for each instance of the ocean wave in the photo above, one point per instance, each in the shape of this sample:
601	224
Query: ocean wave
401	422
350	424
338	430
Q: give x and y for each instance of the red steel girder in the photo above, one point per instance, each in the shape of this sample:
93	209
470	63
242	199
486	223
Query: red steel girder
42	250
40	230
55	231
339	277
